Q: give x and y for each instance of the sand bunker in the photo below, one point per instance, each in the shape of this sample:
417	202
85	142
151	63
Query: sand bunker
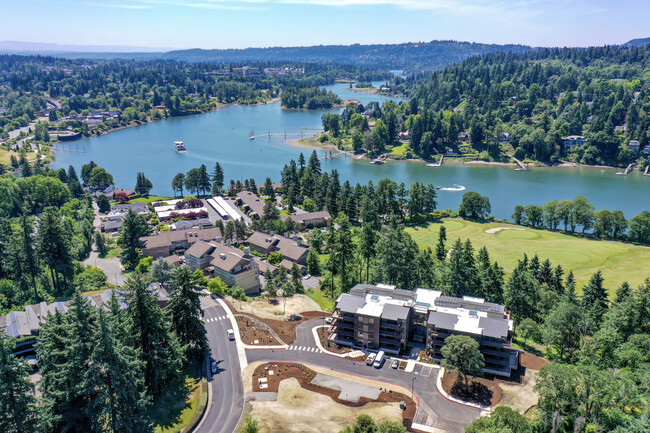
498	229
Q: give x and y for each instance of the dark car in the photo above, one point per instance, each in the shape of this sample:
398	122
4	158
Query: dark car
213	366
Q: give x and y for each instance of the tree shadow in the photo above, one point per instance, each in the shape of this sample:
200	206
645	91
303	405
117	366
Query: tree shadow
477	393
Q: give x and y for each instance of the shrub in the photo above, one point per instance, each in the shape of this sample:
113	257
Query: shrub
237	292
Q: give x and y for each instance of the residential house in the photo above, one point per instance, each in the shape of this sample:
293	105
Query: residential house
646	149
163	244
311	219
573	140
190	224
234	266
111	226
252	204
292	249
383	317
122	208
634	145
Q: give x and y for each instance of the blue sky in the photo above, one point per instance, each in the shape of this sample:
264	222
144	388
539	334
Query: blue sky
245	23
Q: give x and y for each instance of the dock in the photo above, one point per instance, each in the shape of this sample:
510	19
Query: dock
520	165
67	150
439	163
645	173
627	170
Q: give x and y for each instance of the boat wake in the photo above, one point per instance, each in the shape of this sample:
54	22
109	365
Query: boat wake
456	188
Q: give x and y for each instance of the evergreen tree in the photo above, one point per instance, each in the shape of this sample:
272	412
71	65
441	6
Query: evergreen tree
441	252
203	180
25	256
17	402
142	184
150	333
54	246
161	271
114	382
521	294
314	163
100	243
296	278
570	291
313	262
367	247
217	179
133	228
103	204
594	299
186	312
343	251
178	182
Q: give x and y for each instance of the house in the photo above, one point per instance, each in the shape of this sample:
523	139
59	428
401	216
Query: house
573	140
165	243
505	137
234	266
111	226
129	192
311	219
634	145
291	249
383	317
463	136
190	224
403	135
122	208
252	204
646	149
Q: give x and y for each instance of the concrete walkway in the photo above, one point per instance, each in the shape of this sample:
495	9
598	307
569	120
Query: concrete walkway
350	391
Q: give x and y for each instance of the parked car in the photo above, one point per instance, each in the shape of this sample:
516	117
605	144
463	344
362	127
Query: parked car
328	320
231	335
394	364
371	358
213	366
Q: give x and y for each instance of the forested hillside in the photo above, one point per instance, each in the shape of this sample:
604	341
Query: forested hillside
538	98
412	55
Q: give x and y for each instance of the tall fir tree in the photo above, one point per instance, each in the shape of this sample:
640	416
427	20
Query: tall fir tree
441	252
186	312
594	299
150	333
17	401
133	228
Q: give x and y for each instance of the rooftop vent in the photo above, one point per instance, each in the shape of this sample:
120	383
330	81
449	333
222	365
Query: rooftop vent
223	256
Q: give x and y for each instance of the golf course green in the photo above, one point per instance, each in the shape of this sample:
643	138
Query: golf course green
507	243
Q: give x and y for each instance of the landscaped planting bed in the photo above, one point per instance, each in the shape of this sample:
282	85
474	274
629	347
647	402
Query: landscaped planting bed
250	333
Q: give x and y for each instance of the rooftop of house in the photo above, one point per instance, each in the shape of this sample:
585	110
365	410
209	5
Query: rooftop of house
302	217
136	206
255	203
223	256
290	248
166	239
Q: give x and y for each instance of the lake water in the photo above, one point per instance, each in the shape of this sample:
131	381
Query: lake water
223	136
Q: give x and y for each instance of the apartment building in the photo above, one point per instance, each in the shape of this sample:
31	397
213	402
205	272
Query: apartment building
383	317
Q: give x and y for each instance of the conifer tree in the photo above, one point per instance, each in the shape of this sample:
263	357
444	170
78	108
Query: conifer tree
150	333
114	382
217	179
134	227
142	184
441	252
594	299
521	294
186	312
17	402
570	290
54	245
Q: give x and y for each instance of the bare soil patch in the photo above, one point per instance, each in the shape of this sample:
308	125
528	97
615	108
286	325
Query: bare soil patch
304	375
298	410
273	308
286	330
482	391
250	333
498	229
533	362
520	396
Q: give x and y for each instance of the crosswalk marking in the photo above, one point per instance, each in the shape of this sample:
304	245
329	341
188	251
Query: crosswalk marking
304	349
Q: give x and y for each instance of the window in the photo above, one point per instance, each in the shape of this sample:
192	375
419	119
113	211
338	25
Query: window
371	321
360	319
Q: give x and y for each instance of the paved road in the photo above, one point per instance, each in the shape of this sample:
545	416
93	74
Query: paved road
227	386
228	393
443	414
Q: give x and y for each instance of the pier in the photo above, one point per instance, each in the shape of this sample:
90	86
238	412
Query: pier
645	173
520	165
439	163
627	170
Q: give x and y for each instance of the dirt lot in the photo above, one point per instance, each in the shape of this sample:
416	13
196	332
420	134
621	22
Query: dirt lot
299	410
482	391
284	329
520	396
532	362
250	333
272	309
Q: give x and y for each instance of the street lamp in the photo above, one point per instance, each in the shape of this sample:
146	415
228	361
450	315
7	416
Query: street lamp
412	385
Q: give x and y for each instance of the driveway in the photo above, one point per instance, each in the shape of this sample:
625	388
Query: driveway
112	266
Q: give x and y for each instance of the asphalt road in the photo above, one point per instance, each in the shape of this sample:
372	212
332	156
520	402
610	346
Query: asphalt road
227	386
228	393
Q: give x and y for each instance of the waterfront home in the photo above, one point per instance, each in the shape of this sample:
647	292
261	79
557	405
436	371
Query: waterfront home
234	266
573	140
646	149
122	208
310	219
383	317
292	249
634	145
164	244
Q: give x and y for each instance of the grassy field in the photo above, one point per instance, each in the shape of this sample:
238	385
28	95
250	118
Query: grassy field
5	156
175	407
399	151
150	199
618	261
325	303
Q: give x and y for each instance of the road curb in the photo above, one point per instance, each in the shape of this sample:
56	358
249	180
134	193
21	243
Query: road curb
208	404
456	400
241	352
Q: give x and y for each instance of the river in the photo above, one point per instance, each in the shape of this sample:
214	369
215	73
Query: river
222	136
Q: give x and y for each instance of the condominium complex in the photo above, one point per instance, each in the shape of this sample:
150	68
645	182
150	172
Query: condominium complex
383	317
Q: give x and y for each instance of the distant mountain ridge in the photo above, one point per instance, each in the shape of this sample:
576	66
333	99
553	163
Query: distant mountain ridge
46	47
637	42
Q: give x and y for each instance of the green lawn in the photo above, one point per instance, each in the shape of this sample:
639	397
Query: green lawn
325	303
150	199
175	407
399	151
617	260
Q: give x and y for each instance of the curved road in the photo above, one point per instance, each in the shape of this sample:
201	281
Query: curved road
227	388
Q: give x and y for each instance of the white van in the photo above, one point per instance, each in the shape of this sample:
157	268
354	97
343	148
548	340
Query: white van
379	360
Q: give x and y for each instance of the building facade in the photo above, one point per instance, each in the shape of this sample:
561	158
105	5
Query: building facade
385	318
